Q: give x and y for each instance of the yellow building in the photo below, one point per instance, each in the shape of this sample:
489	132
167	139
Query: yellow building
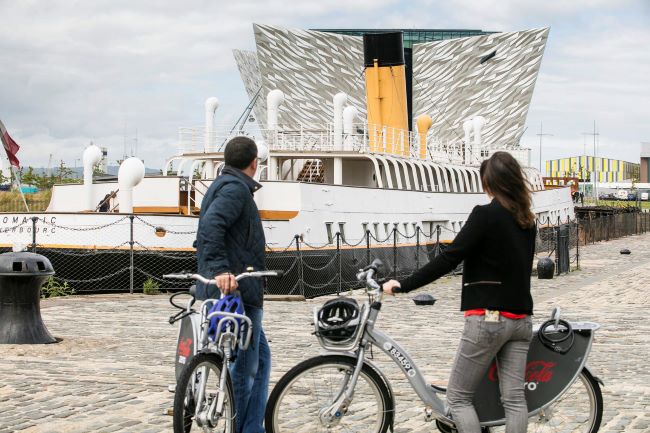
608	170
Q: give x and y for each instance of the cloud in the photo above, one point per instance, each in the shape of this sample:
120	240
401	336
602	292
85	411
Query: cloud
80	71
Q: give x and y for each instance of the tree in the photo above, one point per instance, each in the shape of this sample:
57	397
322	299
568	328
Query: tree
64	174
29	177
97	171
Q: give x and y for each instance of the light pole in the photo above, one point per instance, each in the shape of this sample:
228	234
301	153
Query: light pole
594	134
541	134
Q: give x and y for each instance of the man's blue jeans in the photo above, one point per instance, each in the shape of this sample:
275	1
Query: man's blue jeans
250	378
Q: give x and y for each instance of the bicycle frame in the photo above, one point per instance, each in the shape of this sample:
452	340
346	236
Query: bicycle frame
548	374
233	331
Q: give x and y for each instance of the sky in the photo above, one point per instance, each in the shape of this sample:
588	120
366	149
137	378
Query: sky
111	71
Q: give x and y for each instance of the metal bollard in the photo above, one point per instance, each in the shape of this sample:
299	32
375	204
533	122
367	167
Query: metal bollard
21	276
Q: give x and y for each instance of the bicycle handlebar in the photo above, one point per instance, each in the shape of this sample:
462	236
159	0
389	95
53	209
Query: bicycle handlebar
367	274
251	274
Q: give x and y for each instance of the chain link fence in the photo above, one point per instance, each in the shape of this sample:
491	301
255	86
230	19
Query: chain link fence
310	270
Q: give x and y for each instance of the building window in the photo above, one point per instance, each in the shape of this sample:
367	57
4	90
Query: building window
376	227
365	228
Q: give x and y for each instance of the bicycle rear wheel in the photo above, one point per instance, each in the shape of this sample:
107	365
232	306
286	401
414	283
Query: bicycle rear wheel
204	367
578	410
308	388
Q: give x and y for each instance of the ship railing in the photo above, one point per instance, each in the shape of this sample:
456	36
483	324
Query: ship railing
198	140
364	138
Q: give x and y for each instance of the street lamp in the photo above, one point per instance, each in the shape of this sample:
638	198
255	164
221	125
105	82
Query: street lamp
541	134
594	134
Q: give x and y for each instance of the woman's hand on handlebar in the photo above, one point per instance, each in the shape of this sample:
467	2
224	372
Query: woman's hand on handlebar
226	282
389	285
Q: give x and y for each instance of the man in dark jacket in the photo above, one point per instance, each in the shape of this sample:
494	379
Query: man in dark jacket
230	239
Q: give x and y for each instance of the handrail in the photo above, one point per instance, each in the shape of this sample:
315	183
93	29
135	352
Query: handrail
113	194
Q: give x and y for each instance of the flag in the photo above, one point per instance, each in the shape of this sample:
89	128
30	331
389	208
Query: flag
11	147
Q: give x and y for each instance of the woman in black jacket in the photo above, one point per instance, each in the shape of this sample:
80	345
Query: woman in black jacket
497	244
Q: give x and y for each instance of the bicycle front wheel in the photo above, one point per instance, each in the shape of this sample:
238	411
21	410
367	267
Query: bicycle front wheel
200	385
578	410
303	394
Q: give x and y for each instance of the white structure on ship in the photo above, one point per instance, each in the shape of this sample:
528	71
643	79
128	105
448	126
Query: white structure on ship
327	165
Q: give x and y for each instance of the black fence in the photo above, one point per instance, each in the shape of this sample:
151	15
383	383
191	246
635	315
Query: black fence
310	270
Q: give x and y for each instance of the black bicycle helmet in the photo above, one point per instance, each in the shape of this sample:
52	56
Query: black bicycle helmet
338	319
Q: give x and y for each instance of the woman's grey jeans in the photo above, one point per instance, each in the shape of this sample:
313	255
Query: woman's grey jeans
506	340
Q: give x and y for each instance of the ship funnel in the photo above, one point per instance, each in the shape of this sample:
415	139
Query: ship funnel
130	174
423	123
350	113
383	57
91	157
274	99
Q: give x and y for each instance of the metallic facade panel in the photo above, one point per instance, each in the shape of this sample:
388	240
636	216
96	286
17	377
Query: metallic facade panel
250	74
451	84
310	67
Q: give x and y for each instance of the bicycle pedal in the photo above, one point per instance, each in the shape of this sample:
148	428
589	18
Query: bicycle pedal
171	388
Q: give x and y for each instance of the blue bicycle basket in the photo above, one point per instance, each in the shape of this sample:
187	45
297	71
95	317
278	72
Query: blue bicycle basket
229	304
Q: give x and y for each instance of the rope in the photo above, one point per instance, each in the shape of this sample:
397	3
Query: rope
174	232
314	247
84	229
352	245
334	257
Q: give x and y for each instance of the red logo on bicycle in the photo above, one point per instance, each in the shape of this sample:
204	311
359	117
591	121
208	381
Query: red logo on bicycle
185	347
536	371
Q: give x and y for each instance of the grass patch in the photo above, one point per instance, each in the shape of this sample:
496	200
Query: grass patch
618	203
11	201
52	289
151	287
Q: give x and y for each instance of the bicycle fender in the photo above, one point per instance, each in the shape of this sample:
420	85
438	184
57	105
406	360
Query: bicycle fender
596	378
376	369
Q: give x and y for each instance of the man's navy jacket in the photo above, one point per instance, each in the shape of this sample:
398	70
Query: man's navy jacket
230	237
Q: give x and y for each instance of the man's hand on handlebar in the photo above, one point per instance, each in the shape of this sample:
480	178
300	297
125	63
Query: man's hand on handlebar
226	282
389	285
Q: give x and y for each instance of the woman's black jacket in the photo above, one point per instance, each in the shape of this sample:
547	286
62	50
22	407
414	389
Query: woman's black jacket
498	257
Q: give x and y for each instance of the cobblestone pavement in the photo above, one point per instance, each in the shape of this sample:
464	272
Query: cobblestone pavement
111	370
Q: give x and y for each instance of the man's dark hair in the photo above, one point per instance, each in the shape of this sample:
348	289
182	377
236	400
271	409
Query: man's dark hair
240	152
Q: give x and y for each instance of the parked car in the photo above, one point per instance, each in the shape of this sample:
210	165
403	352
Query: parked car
622	194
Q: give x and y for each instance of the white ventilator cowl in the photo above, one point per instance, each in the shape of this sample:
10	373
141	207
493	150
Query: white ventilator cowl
274	99
339	100
211	105
130	174
262	151
91	157
349	114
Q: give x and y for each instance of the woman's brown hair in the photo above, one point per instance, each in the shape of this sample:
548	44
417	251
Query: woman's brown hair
504	179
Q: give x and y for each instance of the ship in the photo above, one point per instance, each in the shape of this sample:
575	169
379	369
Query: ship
358	182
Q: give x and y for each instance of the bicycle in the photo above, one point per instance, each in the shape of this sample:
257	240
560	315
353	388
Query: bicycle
203	395
342	390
